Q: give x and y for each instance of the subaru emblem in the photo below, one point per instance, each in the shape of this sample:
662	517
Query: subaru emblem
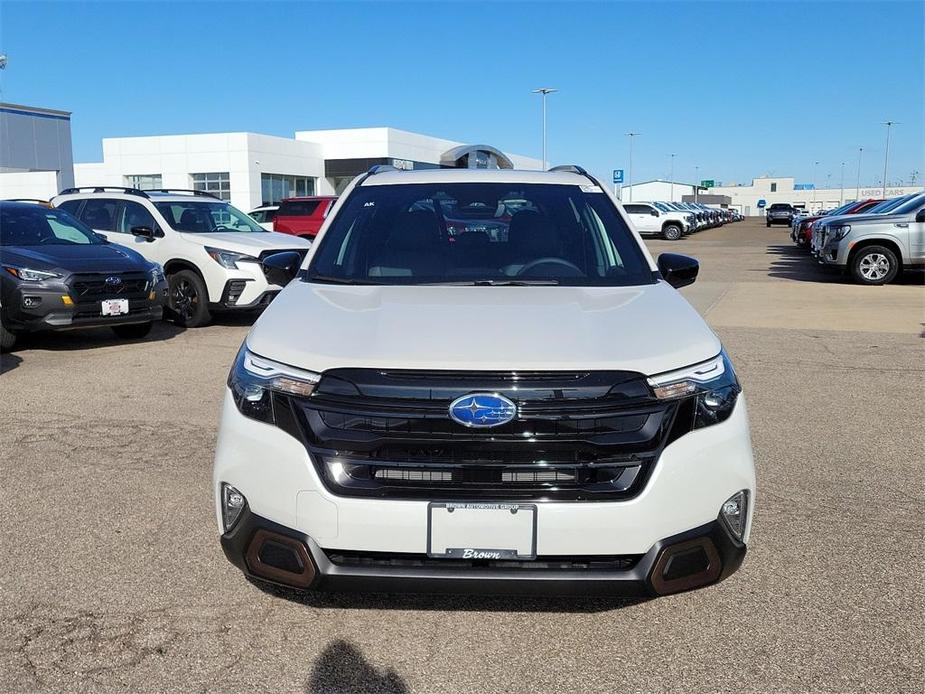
482	410
113	281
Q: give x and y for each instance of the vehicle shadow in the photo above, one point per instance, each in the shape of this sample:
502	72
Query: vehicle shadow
794	263
342	668
71	340
446	603
8	362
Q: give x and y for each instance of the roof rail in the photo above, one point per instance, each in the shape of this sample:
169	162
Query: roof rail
570	168
103	189
200	193
380	168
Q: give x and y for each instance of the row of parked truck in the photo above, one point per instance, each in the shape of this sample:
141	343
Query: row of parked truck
873	240
672	220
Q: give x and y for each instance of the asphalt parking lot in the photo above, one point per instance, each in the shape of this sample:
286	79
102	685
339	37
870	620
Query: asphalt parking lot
113	578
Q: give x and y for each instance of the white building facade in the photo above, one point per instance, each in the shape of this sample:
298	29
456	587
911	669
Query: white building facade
250	169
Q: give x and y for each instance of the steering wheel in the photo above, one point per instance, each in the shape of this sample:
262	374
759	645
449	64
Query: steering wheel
549	261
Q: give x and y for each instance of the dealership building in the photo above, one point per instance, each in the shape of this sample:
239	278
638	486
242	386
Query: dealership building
753	199
248	169
35	151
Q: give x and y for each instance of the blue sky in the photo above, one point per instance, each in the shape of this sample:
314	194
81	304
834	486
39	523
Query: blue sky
739	89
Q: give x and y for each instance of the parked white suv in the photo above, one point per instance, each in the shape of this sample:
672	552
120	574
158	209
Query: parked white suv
434	406
650	220
211	252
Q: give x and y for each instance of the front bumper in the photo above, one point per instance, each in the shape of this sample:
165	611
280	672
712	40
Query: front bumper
693	477
272	552
36	307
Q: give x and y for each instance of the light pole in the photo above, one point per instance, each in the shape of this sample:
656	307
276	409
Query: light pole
841	195
544	91
815	167
671	178
857	192
631	136
696	182
886	157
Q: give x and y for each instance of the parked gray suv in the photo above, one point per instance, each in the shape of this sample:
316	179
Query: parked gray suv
875	248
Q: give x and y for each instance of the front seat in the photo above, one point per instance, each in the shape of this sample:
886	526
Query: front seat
192	220
531	236
413	249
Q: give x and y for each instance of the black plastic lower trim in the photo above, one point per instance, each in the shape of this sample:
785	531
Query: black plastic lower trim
635	581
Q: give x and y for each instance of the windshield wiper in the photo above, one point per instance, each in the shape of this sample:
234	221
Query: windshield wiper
495	283
330	279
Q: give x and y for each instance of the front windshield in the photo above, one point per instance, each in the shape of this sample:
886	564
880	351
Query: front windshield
34	225
205	217
839	210
479	233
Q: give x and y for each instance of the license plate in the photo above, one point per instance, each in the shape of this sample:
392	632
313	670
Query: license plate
114	307
481	531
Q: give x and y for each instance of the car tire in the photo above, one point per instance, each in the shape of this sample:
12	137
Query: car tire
671	232
768	224
188	299
874	265
132	332
7	339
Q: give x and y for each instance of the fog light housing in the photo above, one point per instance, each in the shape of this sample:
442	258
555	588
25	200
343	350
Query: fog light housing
233	505
734	513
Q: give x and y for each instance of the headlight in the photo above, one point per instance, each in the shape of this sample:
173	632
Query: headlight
840	232
713	383
228	259
253	380
30	275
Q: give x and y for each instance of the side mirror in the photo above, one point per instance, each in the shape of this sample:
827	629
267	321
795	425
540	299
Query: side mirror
147	233
678	270
654	213
281	268
920	217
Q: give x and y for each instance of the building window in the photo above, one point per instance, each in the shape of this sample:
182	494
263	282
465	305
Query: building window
144	181
773	187
218	184
275	187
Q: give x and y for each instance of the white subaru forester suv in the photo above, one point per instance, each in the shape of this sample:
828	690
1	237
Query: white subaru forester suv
480	381
211	252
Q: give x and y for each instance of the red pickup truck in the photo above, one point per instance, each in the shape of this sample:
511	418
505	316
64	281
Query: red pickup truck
303	216
802	233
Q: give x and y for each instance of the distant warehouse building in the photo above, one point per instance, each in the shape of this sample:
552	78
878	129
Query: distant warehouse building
248	169
35	151
753	199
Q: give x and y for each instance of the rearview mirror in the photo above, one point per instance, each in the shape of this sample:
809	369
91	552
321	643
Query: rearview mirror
678	270
146	233
281	268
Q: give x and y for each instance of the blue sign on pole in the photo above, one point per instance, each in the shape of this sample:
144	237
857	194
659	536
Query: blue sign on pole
762	203
618	175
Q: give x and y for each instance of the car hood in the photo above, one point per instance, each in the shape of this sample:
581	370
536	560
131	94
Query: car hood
101	257
251	243
648	329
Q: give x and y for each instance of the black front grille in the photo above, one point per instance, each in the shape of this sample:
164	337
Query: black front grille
86	287
622	562
576	435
